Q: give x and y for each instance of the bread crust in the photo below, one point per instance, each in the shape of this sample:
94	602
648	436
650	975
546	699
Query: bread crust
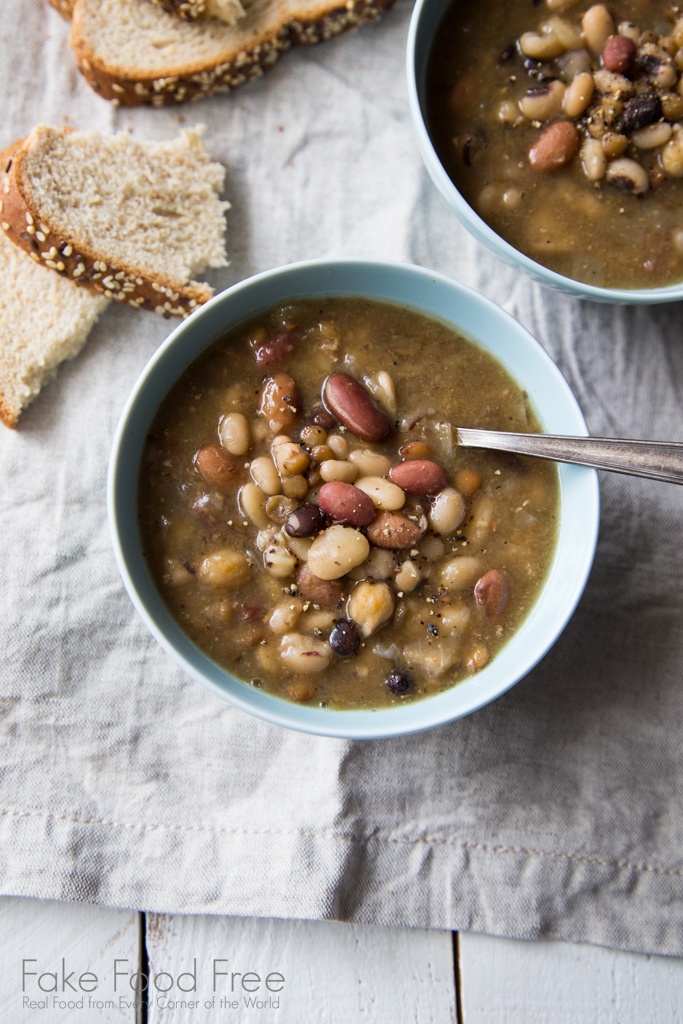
65	7
247	59
189	10
27	228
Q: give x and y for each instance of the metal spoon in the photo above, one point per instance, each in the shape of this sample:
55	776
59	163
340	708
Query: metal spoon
657	460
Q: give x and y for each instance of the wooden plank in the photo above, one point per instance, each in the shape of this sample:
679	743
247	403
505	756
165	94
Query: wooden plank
503	981
317	971
88	939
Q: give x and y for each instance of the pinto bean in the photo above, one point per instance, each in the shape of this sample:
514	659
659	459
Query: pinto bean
219	467
554	148
419	476
491	592
355	408
346	504
327	593
393	531
280	402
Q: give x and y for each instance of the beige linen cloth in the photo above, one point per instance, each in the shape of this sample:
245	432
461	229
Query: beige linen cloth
554	812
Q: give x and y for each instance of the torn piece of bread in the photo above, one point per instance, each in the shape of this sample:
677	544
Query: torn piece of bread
133	220
44	319
134	52
228	11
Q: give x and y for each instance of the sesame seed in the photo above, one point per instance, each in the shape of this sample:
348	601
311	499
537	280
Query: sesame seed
30	228
67	250
40	236
29	218
5	226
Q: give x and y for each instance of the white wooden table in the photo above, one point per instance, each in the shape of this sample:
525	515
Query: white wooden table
78	963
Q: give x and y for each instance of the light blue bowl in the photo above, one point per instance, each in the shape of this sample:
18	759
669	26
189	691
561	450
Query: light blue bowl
425	21
474	316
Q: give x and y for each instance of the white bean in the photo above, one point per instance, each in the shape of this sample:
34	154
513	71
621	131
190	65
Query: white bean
234	434
631	31
593	159
337	469
379	565
370	463
579	94
481	516
339	445
598	26
284	615
370	606
227	568
652	136
540	47
569	34
304	653
447	511
408	576
336	550
672	156
461	572
265	475
384	494
252	503
279	561
454	618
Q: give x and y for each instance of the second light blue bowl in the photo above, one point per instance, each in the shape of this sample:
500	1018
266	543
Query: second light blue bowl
472	315
425	22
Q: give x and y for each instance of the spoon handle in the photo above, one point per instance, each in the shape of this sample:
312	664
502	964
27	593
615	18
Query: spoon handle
657	460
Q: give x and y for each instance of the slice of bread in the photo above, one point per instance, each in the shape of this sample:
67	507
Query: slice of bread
44	319
65	7
133	220
228	11
134	52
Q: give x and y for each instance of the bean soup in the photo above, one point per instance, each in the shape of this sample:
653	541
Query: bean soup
310	523
562	127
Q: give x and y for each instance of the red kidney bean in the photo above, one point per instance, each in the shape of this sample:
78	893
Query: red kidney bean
346	503
305	521
554	148
619	55
393	531
344	638
280	402
491	592
419	476
354	407
327	593
274	349
219	467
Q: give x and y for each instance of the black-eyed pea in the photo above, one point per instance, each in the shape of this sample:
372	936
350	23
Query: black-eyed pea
629	175
295	487
652	136
285	615
408	577
370	606
338	469
370	463
593	159
265	475
598	26
672	156
178	573
252	503
226	568
280	561
337	550
339	445
544	102
383	494
460	573
305	654
579	94
290	459
447	511
509	113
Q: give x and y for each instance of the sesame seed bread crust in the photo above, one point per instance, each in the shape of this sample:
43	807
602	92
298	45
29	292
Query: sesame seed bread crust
27	226
234	54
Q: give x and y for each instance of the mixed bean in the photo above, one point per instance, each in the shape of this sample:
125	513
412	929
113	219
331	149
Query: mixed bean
310	522
563	127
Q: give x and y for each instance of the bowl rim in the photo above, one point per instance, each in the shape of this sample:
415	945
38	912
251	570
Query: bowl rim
478	227
141	408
